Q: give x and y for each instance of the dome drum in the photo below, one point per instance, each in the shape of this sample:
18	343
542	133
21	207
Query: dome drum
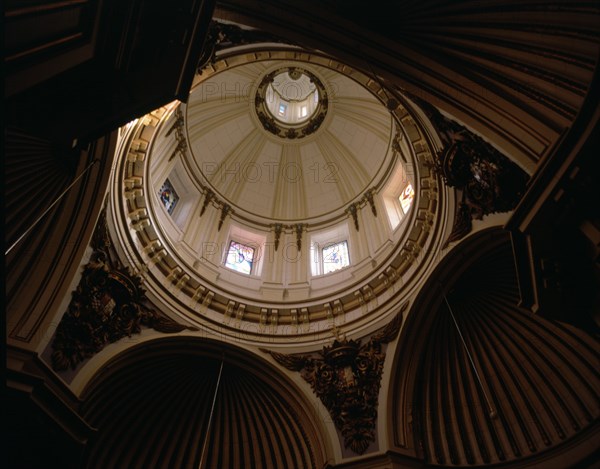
278	295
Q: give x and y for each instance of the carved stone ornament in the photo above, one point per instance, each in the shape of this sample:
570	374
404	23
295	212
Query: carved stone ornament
278	228
353	211
371	200
179	128
225	210
487	180
299	227
107	305
346	376
225	35
208	196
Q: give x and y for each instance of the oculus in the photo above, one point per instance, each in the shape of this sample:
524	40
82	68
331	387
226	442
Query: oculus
291	102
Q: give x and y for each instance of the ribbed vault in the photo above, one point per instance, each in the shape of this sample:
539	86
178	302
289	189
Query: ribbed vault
152	409
540	377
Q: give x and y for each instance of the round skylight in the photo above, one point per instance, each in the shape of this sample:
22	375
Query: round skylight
292	97
291	102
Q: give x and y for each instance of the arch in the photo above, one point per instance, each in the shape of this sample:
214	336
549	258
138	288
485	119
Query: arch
532	401
152	405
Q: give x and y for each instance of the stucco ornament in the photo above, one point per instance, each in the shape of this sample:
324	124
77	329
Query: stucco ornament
346	376
108	304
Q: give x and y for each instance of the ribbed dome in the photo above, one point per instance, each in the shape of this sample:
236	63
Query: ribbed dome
152	409
540	377
281	178
270	231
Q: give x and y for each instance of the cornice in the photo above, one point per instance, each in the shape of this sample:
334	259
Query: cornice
202	300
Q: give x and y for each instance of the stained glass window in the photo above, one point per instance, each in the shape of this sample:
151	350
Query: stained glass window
168	196
407	197
240	257
335	257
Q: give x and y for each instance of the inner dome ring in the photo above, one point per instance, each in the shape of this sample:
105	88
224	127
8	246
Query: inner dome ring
291	102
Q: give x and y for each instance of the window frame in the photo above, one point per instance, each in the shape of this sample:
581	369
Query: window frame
170	211
393	205
328	246
253	264
322	239
412	199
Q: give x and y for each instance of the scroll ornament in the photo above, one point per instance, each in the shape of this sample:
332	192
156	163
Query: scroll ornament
486	179
108	304
346	376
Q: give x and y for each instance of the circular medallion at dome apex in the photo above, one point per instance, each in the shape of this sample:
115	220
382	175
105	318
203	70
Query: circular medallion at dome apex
269	179
293	85
291	102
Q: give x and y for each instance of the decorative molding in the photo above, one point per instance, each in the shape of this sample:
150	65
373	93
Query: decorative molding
225	209
405	256
179	127
278	228
108	304
353	211
290	131
398	137
299	228
353	208
371	200
346	376
488	181
208	196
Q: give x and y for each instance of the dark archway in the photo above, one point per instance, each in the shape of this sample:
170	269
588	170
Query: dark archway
530	394
152	406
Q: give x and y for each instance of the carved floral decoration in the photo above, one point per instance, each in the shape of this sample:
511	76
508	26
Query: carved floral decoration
346	376
108	304
487	180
